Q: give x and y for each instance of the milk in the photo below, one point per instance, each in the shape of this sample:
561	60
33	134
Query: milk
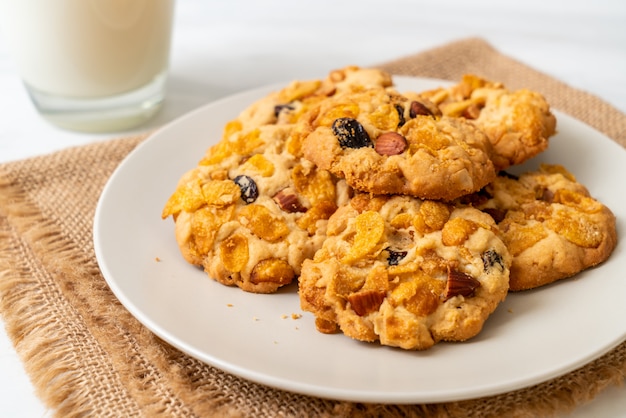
87	48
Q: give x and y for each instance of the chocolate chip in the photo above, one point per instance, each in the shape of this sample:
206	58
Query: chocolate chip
351	134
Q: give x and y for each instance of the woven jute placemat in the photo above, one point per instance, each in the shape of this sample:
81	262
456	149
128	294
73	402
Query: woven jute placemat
87	356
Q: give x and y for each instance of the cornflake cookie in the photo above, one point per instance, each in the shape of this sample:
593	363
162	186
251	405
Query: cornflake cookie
406	272
518	123
551	225
382	142
253	210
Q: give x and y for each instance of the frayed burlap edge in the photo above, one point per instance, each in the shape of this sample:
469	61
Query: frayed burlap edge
69	331
86	355
49	335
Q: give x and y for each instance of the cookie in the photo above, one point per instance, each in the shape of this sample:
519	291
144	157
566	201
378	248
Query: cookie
405	272
253	209
384	143
284	108
551	225
518	123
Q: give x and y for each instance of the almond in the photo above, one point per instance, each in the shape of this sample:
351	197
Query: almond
418	108
366	301
390	143
472	111
460	283
288	201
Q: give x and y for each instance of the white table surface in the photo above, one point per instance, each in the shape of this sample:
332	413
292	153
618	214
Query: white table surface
221	48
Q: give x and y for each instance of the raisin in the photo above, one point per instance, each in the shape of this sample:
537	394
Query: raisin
249	189
400	110
508	175
351	134
544	194
395	257
498	215
279	108
491	258
418	108
476	199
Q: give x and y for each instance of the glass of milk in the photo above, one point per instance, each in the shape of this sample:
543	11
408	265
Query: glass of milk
91	65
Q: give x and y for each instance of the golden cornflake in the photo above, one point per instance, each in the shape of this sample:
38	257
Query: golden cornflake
260	221
320	211
272	270
221	192
298	90
187	197
521	237
385	117
234	253
456	231
370	228
260	164
203	229
341	110
315	185
576	228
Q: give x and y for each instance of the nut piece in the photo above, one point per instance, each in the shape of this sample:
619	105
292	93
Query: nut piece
460	283
472	111
390	143
418	108
366	301
288	201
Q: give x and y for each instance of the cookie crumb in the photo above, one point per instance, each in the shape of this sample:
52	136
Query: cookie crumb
157	259
255	319
230	305
510	310
283	316
296	316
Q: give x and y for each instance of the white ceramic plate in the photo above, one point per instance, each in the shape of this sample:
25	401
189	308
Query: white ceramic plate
532	337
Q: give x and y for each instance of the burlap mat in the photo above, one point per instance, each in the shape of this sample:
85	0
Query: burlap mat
87	356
